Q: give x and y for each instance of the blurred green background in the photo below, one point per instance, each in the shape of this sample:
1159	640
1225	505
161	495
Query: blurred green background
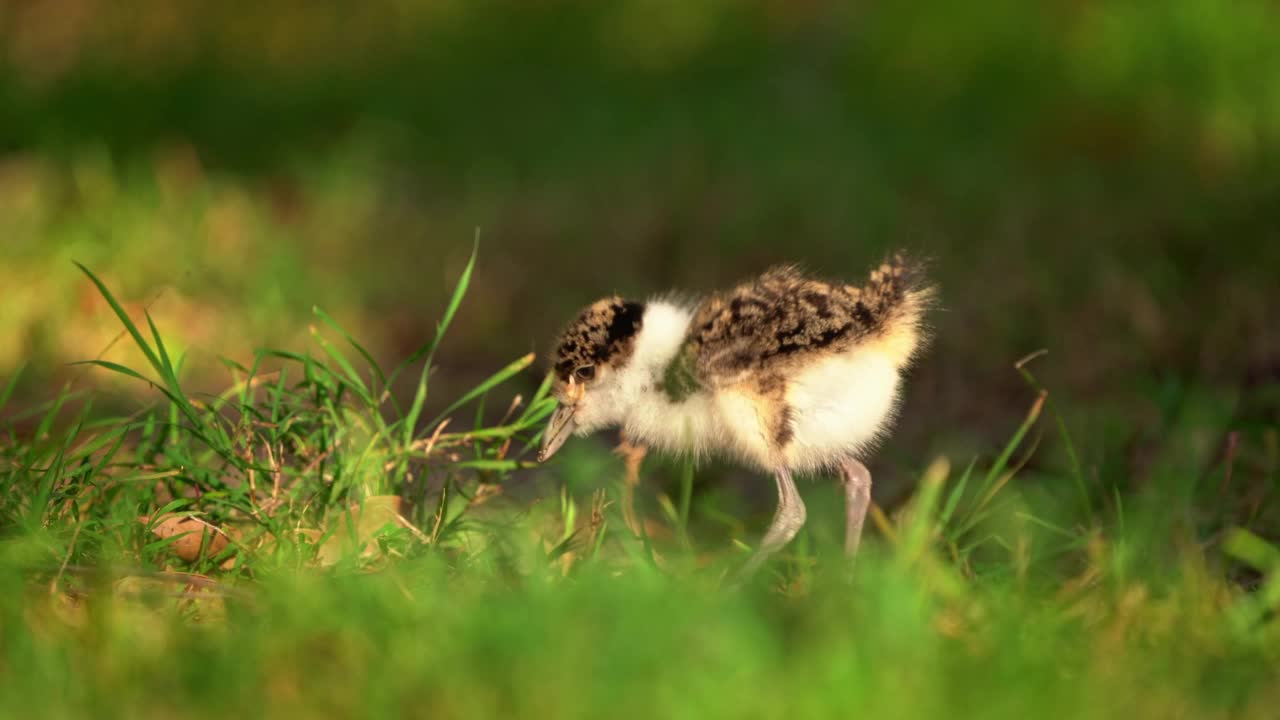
1094	178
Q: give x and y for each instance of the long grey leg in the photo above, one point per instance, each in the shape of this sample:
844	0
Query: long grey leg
857	498
787	521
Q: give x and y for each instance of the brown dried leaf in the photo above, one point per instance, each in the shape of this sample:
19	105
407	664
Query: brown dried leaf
192	533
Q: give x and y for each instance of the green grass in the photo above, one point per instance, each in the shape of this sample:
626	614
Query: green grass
476	595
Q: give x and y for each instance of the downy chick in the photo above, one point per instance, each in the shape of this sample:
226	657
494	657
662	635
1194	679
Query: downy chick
785	372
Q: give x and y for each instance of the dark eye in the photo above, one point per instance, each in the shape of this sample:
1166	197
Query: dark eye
586	372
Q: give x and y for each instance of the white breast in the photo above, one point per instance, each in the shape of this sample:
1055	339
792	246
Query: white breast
840	405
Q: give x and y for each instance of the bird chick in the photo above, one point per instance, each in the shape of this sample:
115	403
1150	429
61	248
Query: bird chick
786	373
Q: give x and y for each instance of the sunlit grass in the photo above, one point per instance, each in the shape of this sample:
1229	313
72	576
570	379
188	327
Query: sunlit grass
303	545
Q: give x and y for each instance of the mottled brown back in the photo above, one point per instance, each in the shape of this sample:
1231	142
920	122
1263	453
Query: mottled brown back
784	319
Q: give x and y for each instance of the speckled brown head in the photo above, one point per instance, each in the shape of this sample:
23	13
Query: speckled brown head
603	335
599	341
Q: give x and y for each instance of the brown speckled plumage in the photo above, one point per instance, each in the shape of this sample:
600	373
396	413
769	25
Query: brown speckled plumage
603	333
783	319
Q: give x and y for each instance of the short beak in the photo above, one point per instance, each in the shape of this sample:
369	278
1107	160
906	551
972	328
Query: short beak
558	430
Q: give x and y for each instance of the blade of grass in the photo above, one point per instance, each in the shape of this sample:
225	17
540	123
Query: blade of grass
544	410
54	474
544	390
569	511
42	408
957	491
46	423
123	316
918	529
1047	525
493	381
373	365
11	385
130	372
1077	473
159	362
1003	459
994	473
1251	610
1252	550
1009	474
166	368
428	351
354	380
486	464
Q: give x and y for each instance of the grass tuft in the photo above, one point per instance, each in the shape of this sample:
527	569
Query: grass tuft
302	545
